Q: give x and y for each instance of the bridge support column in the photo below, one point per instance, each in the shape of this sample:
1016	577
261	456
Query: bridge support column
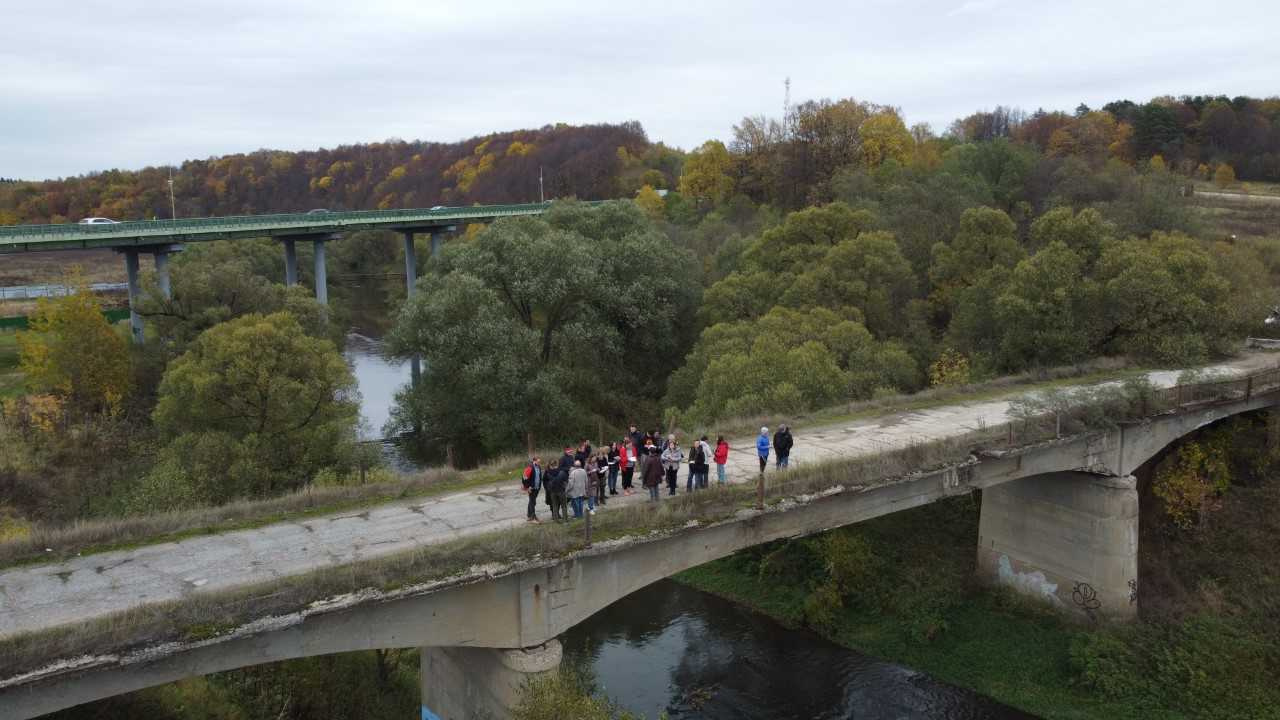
469	682
410	279
290	262
161	255
1070	539
322	280
135	294
437	239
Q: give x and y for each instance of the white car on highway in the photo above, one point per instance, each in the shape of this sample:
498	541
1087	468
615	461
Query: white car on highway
97	221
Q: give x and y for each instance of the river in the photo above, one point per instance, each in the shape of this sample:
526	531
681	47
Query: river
670	648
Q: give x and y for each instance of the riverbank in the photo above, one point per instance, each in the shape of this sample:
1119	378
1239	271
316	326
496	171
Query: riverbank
908	595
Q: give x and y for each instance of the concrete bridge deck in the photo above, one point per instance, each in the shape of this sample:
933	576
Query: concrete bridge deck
38	597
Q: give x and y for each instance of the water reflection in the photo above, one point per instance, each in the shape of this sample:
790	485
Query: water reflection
379	378
670	648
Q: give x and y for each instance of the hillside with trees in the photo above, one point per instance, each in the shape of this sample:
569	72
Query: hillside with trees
589	162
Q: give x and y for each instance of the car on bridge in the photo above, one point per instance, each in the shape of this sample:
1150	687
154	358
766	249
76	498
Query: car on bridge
97	221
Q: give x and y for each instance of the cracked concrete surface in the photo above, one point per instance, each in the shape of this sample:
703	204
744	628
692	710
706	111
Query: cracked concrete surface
42	596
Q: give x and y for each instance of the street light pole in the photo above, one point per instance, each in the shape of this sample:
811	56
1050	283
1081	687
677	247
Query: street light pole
173	205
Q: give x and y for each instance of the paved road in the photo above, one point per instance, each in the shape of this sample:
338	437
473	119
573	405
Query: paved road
42	596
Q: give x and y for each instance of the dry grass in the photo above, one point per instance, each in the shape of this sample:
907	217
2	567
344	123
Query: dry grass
51	267
1091	370
48	543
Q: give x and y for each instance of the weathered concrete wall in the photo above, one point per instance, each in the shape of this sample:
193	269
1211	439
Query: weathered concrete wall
529	607
465	683
1070	539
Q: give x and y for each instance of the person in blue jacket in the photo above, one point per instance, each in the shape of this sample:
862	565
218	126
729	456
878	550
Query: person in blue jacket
762	448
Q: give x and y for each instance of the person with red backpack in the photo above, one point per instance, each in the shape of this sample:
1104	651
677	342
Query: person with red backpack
532	482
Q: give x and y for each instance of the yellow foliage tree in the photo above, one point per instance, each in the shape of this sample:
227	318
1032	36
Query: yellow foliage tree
72	352
650	201
884	137
951	368
1156	163
706	173
1189	482
1224	176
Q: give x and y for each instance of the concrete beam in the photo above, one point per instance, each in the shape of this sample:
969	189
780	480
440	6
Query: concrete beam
1068	539
459	683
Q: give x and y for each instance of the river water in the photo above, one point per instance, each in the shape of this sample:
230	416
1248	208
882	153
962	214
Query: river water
694	655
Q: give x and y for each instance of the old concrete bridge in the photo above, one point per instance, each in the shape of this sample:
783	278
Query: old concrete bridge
1059	522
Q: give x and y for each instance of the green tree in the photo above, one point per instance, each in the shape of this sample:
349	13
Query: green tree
867	272
987	238
520	328
1043	313
216	282
1084	232
1160	299
254	406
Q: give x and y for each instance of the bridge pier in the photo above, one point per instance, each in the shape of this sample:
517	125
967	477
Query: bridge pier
437	239
473	682
322	279
1068	538
290	262
410	279
135	294
161	255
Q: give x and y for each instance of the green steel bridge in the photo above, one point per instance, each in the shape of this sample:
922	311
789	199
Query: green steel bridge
160	238
71	236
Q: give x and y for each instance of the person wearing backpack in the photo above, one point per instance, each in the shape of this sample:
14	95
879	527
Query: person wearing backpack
721	458
704	462
532	482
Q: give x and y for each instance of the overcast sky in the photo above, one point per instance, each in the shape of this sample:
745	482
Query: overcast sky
88	85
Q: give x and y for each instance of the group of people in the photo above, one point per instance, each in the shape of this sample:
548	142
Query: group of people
583	478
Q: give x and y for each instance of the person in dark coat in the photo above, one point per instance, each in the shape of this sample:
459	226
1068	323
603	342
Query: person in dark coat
782	442
612	467
557	483
651	468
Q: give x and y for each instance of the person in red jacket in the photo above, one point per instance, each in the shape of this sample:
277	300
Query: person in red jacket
721	457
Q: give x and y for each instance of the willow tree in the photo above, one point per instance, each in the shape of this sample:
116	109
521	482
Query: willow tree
544	325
